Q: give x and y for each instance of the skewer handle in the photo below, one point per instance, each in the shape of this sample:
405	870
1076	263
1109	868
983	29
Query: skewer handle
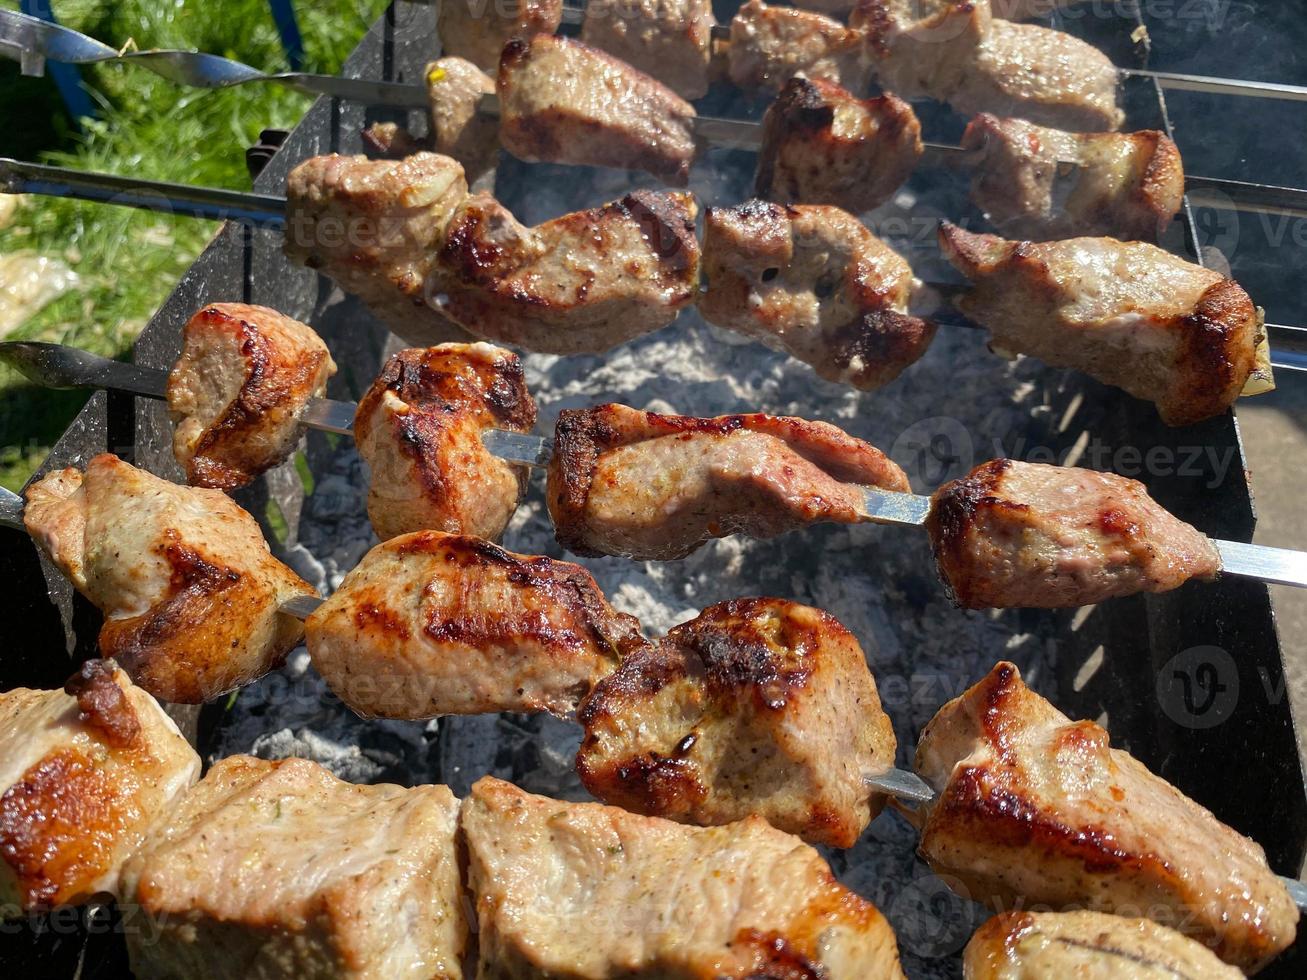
19	177
57	366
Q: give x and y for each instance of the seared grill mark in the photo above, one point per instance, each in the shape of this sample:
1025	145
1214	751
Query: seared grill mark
58	827
102	703
778	958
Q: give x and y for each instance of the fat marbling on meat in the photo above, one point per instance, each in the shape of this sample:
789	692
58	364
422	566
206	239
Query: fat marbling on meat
1039	183
821	144
85	773
431	624
670	40
1032	535
239	389
649	486
577	284
754	707
955	51
280	870
184	578
1127	313
813	281
770	45
581	891
1087	946
419	427
1037	809
477	30
376	227
563	101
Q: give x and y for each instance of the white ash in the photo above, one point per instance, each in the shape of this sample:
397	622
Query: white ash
879	581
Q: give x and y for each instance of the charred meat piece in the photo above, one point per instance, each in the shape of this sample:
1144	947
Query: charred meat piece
812	281
639	897
238	391
648	486
376	227
1127	313
823	145
188	588
458	128
771	45
478	29
1035	536
1037	809
1087	946
956	52
580	283
670	40
419	429
755	707
85	773
1039	183
565	102
279	869
434	624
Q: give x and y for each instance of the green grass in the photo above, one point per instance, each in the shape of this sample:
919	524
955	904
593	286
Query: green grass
128	261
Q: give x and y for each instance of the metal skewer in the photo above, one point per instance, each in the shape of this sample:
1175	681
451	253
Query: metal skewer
900	784
33	41
1288	343
57	366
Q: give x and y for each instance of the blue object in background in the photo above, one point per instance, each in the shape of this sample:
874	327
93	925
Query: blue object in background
283	13
67	78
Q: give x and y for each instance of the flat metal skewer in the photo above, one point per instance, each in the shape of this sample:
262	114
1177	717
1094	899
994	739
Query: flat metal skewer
33	41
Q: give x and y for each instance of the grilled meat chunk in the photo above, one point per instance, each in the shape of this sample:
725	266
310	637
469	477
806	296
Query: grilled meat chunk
1039	183
771	45
419	429
279	869
823	145
1035	808
435	624
958	53
84	774
375	227
581	283
478	29
188	588
1086	946
812	281
458	128
755	707
563	101
1035	536
649	486
1127	313
670	40
236	394
638	897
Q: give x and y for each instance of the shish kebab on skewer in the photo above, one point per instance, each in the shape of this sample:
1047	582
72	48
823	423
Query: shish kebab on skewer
445	433
675	38
810	280
278	869
1116	837
880	134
